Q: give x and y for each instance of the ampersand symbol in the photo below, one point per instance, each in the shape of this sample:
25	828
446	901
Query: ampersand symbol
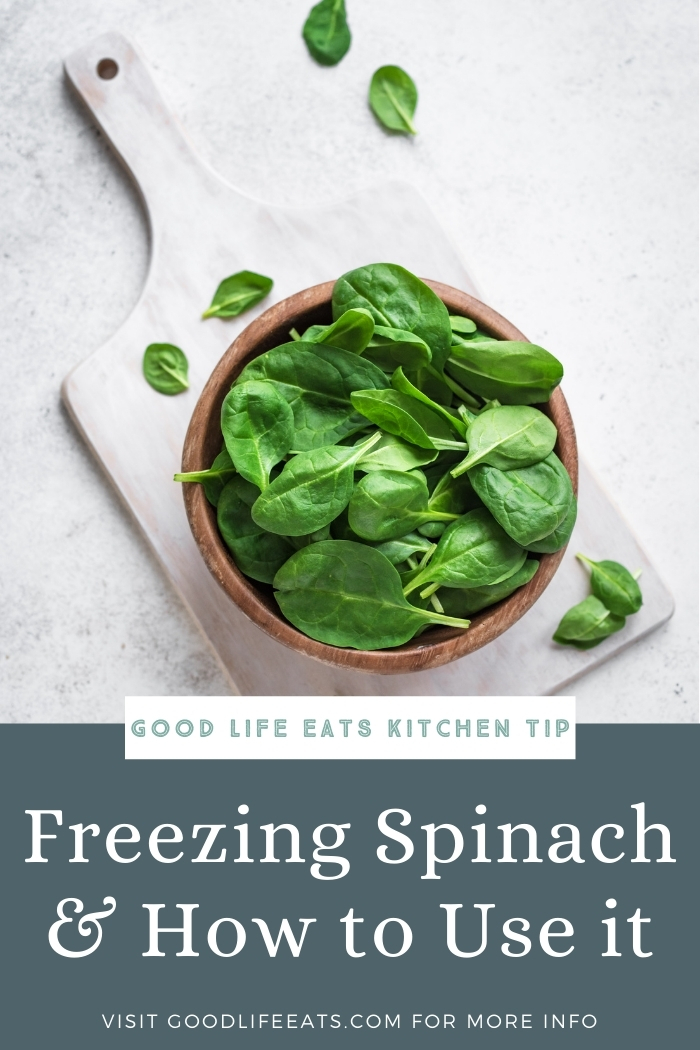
84	925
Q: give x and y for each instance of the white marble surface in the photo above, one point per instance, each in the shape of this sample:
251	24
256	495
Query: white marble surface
557	143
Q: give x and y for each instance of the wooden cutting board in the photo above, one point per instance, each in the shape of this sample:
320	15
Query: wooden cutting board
202	229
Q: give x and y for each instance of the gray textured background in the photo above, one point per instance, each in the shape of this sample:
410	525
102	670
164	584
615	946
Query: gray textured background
557	144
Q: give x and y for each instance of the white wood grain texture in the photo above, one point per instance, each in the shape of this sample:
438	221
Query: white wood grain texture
203	229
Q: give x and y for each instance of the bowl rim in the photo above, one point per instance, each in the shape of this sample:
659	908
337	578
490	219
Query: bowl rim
439	645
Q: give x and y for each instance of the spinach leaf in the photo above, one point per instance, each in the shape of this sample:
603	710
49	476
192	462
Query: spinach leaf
213	480
405	417
587	624
311	491
390	347
405	386
516	373
561	535
393	97
317	381
397	299
463	325
387	504
432	529
470	600
352	331
258	428
347	594
528	502
474	551
454	495
397	551
238	293
508	436
614	585
257	553
165	368
391	453
327	33
437	385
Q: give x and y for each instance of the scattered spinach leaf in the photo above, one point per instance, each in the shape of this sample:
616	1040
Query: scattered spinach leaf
258	428
327	33
393	97
165	368
238	293
587	624
614	585
348	594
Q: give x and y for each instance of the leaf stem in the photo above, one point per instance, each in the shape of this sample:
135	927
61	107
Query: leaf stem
468	398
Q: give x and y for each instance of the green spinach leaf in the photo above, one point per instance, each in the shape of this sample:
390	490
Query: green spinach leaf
258	428
462	325
165	368
405	417
528	502
473	552
614	585
391	453
257	553
390	347
347	594
238	293
561	535
393	97
397	299
587	624
327	33
387	504
470	600
213	480
454	495
405	386
397	551
507	437
311	491
516	373
317	381
352	331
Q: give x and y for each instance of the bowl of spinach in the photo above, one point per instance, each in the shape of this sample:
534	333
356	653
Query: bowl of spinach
381	472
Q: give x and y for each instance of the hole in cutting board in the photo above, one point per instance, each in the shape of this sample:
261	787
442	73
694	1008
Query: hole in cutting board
107	69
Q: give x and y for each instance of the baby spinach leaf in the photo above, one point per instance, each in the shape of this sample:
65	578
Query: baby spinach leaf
473	552
405	386
238	293
165	368
397	299
258	428
387	504
393	97
213	480
317	381
257	553
352	331
614	585
528	502
463	325
470	600
587	624
454	495
348	594
311	491
435	384
397	551
391	453
327	33
390	347
561	535
432	529
405	417
516	373
507	437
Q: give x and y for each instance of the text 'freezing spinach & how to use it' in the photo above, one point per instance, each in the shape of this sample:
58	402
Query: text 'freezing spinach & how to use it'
389	471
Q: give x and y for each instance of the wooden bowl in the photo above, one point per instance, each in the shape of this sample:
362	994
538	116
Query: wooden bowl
436	646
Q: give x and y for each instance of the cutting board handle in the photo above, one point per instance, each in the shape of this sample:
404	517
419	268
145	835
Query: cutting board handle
114	82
